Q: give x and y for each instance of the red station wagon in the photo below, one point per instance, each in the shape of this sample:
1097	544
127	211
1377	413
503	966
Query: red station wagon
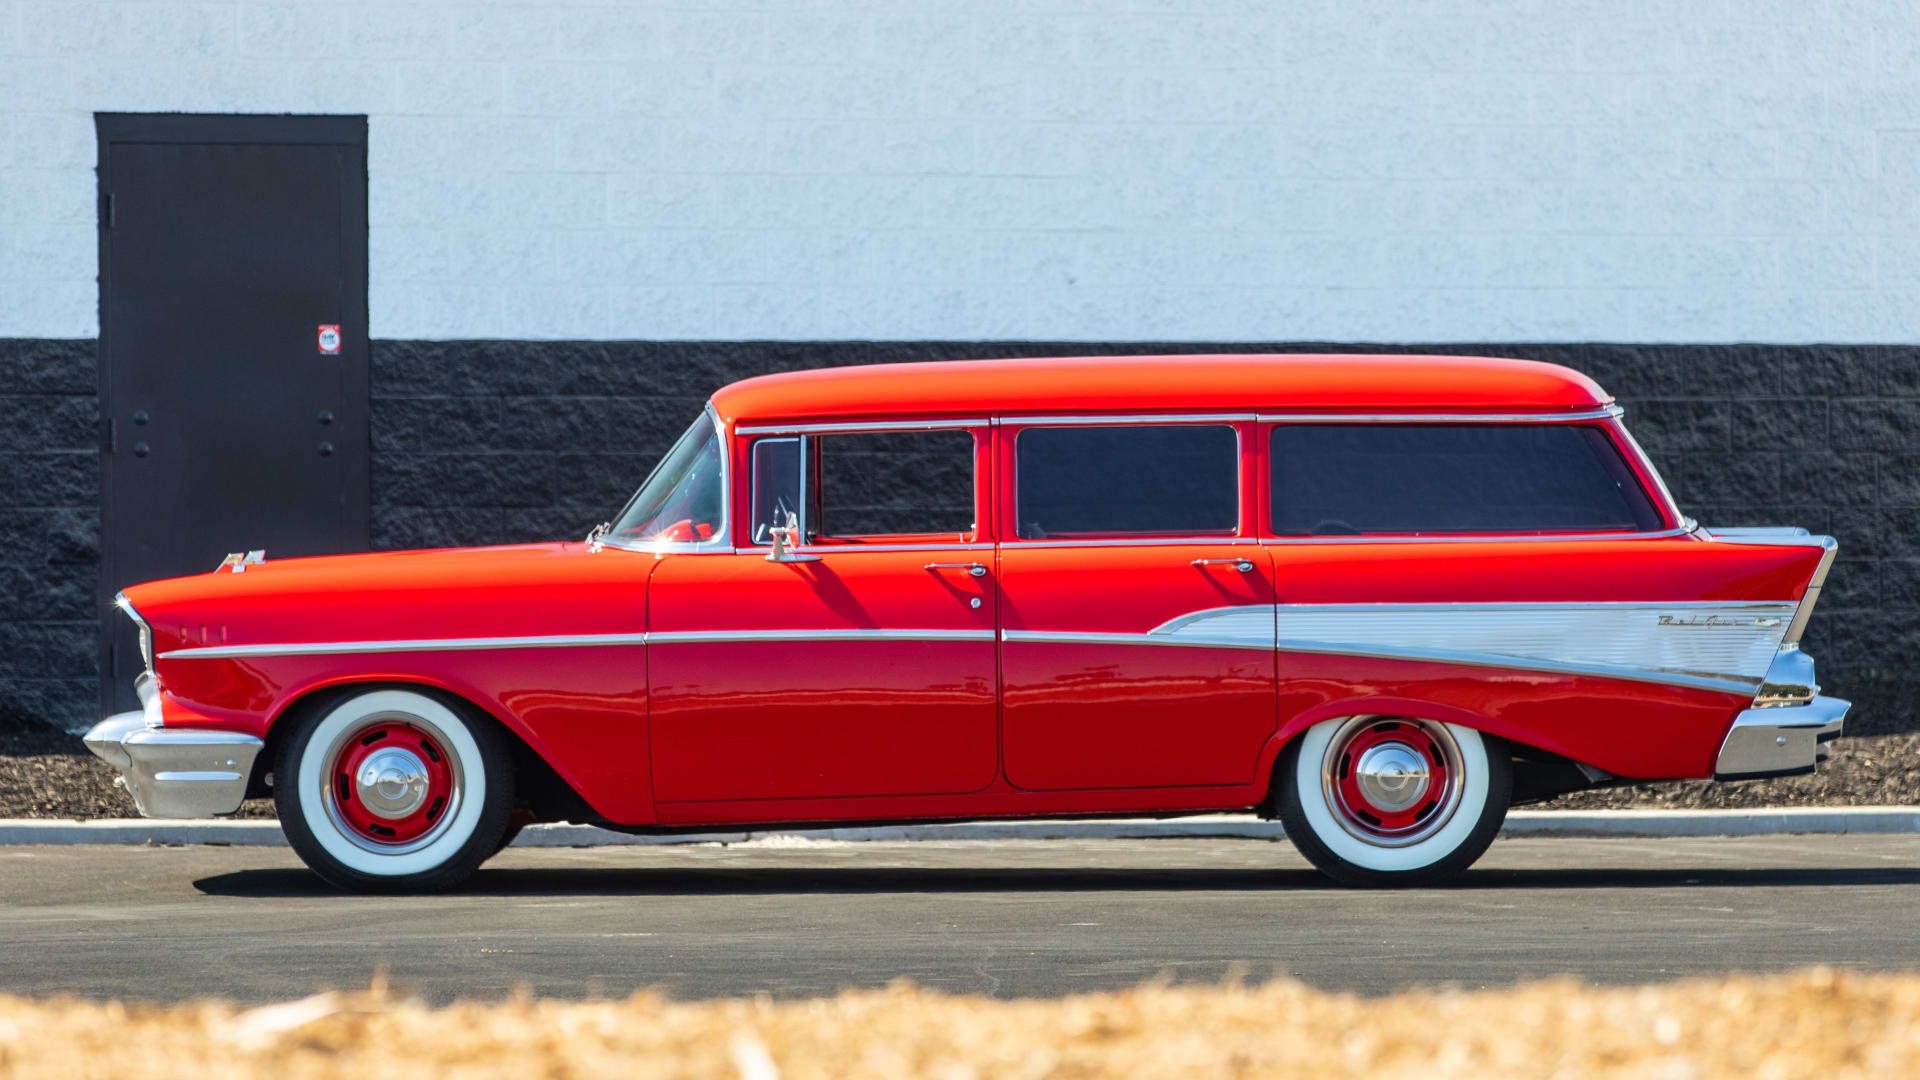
1381	598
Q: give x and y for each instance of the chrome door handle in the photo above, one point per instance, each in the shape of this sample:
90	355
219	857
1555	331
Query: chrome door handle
1245	566
974	568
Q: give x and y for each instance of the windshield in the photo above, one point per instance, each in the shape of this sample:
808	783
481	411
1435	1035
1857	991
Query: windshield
682	499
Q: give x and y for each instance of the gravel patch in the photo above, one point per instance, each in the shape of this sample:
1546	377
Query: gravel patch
53	776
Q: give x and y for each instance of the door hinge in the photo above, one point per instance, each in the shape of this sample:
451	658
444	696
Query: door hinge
106	210
113	436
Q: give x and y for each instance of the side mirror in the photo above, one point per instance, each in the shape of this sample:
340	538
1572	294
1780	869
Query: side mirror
784	537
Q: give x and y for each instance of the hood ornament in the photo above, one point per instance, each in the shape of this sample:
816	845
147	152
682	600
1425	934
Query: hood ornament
240	560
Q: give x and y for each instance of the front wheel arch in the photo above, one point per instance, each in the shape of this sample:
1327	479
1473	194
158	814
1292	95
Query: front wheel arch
434	799
541	790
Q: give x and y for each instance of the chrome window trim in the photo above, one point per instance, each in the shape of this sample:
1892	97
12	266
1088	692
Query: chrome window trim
722	539
1241	530
566	641
1479	538
1588	416
1667	502
857	426
1133	542
1118	419
803	432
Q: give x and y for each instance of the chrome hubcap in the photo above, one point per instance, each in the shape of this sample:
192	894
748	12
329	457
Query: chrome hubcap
1391	781
392	782
1392	776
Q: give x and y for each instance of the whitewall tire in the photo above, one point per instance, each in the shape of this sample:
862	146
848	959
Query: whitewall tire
1387	800
393	790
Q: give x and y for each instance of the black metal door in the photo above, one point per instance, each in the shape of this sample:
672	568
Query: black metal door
228	244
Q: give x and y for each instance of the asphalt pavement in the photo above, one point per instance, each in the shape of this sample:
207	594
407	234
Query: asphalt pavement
1006	918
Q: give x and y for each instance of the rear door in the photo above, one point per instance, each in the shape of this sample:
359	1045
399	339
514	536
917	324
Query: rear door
1137	609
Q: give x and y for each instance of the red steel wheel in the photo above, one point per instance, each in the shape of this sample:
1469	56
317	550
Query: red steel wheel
1392	781
391	782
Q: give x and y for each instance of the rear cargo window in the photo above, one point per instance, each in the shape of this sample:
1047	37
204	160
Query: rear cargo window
1146	480
1354	479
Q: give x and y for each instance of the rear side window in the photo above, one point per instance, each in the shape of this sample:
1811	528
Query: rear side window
1353	479
1143	480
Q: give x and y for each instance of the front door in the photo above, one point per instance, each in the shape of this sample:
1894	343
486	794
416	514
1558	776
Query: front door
862	666
1136	612
233	347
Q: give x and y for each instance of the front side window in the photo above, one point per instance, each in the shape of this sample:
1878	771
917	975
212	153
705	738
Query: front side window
1355	479
863	486
1127	480
683	499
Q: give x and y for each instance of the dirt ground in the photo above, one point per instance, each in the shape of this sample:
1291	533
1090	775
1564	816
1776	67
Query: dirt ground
1816	1023
52	776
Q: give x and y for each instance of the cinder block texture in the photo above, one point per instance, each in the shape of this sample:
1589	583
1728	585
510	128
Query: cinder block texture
1452	170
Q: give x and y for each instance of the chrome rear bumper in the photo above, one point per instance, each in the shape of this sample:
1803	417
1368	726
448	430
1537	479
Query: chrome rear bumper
178	773
1780	741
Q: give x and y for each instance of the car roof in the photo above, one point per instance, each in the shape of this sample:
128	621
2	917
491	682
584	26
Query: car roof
1194	383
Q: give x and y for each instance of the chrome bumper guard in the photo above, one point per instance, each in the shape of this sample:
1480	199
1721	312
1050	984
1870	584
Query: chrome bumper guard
1780	740
182	773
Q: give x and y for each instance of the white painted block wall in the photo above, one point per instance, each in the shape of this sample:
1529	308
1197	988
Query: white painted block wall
1374	170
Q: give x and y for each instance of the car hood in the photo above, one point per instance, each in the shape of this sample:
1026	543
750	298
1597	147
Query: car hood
528	589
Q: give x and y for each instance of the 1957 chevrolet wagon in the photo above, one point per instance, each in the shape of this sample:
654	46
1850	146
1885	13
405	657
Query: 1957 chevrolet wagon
1381	598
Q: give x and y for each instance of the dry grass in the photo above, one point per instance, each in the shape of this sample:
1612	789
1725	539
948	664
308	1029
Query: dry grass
1815	1023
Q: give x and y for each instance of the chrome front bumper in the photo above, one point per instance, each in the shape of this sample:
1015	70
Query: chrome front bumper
180	773
1780	740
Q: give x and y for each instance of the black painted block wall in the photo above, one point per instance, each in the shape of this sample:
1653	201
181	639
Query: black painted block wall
497	441
49	532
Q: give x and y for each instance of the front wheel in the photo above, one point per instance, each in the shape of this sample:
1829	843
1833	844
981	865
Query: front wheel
1386	800
394	791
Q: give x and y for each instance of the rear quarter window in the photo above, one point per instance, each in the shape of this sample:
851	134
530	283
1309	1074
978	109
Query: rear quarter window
1356	479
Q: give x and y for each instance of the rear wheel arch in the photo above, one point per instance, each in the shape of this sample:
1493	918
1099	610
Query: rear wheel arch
1387	799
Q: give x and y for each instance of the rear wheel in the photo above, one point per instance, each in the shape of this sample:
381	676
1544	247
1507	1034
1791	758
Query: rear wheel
1384	800
394	791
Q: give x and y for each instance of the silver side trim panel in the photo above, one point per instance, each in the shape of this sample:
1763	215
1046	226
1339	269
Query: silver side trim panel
1711	645
1780	742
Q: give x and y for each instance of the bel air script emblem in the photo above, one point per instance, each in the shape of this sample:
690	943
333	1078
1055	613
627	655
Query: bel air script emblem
1745	622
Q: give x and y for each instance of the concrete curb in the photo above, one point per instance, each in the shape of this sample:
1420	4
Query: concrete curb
1825	820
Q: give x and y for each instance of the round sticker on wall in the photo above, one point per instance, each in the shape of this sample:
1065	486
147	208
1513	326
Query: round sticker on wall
330	340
